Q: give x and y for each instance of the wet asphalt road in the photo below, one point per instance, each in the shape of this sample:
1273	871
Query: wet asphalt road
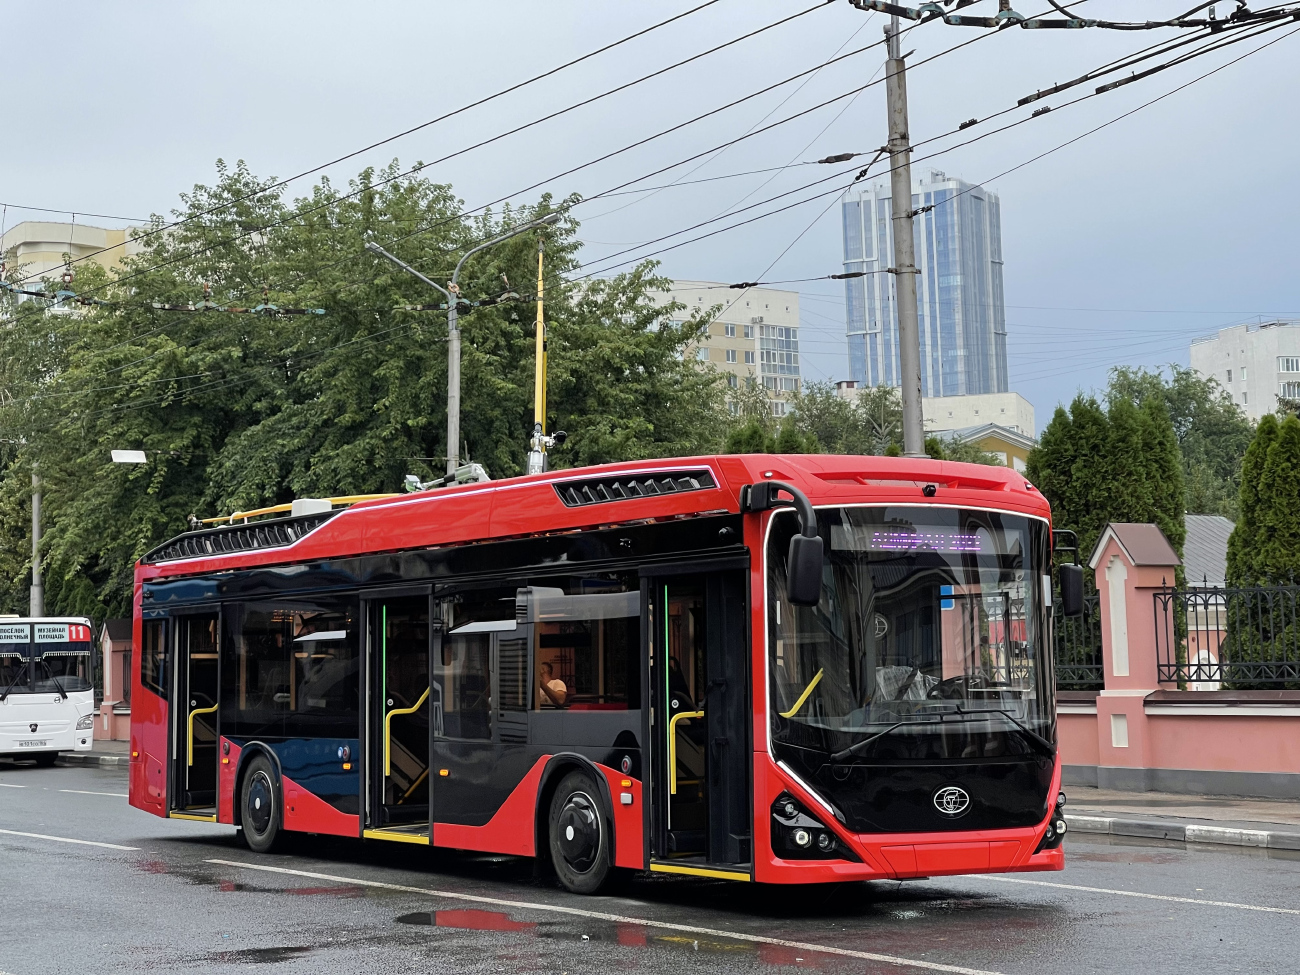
390	908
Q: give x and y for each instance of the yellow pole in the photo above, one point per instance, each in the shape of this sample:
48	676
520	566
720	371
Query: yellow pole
539	378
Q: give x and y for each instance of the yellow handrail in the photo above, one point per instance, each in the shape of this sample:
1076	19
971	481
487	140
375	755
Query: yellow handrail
804	696
388	730
276	509
672	746
189	751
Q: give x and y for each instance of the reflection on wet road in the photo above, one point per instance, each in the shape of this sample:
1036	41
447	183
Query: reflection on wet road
168	895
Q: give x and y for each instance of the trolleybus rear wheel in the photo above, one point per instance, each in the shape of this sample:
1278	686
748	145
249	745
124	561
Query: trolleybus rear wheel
581	844
259	805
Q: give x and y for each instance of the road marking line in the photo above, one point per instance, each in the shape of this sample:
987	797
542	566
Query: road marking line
10	785
1134	893
66	839
618	919
83	792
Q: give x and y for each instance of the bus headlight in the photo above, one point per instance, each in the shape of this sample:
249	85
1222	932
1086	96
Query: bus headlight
802	838
86	722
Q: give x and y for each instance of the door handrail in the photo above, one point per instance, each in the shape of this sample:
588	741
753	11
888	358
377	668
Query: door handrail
189	745
672	746
388	730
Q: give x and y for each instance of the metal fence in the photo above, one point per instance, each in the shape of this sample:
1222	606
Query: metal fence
1210	638
1077	647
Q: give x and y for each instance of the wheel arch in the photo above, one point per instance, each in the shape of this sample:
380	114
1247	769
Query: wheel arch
246	754
556	768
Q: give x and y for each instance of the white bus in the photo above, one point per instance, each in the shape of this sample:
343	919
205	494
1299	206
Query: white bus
47	700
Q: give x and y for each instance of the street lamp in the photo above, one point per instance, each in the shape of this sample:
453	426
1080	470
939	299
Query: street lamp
452	293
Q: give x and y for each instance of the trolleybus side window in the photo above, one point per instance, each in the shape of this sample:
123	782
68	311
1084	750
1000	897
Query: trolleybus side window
292	668
153	656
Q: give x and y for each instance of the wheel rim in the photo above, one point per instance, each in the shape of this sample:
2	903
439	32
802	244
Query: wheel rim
578	827
261	803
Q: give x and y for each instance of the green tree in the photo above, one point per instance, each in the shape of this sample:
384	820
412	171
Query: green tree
1246	539
1120	465
1211	430
242	410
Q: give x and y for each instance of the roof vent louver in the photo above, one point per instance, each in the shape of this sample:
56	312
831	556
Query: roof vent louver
226	539
599	490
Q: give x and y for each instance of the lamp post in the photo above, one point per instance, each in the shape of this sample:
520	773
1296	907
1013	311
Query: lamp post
452	293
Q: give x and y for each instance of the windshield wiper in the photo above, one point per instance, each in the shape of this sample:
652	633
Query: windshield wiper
844	753
18	672
1043	745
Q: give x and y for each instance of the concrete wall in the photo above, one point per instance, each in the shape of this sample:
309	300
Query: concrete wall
1140	735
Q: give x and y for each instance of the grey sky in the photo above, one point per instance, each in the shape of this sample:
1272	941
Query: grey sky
1119	248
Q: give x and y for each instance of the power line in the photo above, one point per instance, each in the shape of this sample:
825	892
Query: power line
76	213
423	125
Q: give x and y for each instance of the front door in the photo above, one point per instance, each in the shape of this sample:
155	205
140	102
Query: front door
699	675
197	676
400	735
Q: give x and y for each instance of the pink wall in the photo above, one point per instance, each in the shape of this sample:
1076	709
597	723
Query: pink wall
1138	724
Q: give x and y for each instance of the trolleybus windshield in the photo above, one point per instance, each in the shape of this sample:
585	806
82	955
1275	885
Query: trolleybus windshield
928	641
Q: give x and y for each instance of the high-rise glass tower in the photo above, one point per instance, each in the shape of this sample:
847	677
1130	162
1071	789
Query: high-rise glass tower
959	290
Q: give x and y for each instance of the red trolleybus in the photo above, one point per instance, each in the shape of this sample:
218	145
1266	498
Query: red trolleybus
783	669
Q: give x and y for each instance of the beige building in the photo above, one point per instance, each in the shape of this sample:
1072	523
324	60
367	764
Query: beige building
755	335
942	413
1256	364
39	246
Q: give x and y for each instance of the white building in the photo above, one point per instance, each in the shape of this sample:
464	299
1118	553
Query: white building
755	334
1255	363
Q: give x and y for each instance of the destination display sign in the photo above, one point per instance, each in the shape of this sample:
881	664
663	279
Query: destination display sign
62	633
15	632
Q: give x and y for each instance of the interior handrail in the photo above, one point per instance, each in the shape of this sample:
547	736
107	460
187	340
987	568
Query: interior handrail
388	729
672	746
804	696
189	747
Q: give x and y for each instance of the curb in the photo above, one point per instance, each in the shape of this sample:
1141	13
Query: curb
90	758
1184	832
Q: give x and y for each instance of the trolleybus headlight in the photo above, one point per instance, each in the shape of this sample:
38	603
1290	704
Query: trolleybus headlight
1060	827
802	838
790	809
825	841
1060	799
85	722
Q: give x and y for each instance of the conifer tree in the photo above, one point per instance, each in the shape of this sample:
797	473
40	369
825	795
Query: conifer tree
1243	543
1277	545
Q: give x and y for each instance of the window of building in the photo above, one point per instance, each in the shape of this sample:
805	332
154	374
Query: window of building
729	330
1289	390
1288	363
734	408
731	355
732	380
749	331
702	354
1243	374
778	408
1229	375
1243	399
749	358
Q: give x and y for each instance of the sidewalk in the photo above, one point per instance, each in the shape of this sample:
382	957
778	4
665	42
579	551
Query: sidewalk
106	753
1232	821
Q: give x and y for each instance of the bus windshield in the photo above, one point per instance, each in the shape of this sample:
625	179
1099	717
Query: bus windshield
929	641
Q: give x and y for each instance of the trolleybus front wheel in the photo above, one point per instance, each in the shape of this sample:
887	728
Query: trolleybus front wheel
45	759
259	804
579	835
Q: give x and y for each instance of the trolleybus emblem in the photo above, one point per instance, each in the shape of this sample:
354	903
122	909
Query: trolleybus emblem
33	726
952	800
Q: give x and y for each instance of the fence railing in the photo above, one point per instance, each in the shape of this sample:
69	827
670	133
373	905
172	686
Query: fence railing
1077	647
1208	638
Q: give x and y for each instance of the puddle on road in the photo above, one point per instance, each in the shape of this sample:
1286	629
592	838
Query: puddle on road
469	920
259	956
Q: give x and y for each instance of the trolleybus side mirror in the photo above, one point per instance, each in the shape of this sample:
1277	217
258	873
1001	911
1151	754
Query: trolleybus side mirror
804	560
1071	577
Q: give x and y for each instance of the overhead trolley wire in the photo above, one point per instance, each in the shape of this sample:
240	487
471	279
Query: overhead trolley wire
415	169
415	128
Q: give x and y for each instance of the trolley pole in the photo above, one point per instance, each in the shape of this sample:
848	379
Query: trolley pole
537	447
37	604
904	269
